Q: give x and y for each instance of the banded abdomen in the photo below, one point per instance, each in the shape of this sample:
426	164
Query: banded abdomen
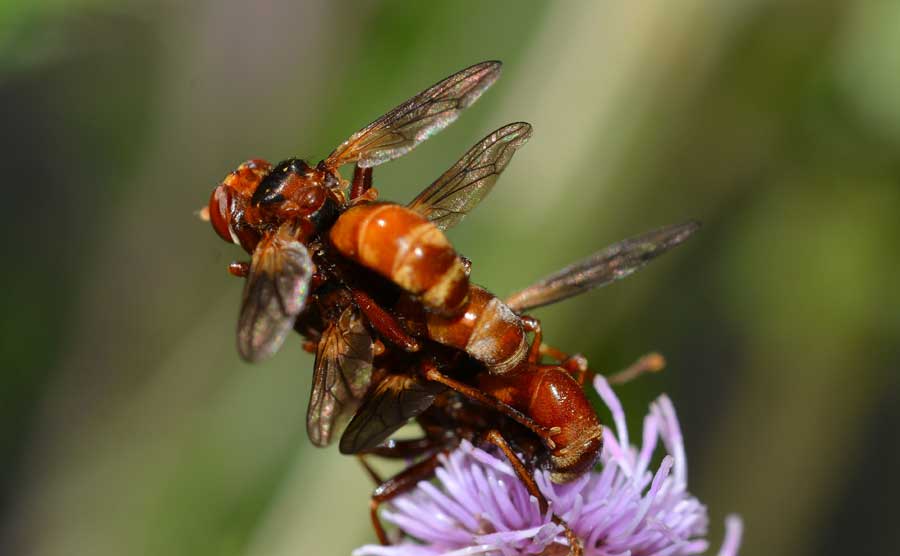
406	248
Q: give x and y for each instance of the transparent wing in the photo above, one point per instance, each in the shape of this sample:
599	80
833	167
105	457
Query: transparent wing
395	400
341	376
446	201
608	265
417	119
274	294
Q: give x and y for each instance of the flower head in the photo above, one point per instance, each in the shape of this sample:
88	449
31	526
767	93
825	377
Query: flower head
479	506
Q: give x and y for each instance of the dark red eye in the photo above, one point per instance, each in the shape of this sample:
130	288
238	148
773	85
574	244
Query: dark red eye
221	203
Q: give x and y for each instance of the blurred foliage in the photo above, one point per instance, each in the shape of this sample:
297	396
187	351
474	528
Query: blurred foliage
127	423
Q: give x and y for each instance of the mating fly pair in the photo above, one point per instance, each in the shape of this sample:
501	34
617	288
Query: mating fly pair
374	285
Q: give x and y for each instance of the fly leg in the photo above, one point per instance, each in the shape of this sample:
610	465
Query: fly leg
310	346
361	185
496	438
384	323
402	482
398	449
650	363
239	269
577	365
544	433
531	324
395	449
376	478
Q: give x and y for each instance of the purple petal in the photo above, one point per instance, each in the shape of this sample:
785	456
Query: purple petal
477	505
615	407
734	529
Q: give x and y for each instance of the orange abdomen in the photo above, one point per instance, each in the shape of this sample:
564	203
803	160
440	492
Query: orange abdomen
487	330
551	397
404	247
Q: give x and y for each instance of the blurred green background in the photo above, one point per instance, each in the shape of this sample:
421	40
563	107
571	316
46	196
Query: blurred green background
128	425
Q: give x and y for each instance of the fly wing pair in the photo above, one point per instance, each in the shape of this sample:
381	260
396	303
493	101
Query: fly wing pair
278	282
280	272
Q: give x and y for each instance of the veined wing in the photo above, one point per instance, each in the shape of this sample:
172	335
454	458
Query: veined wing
446	201
275	293
395	400
607	265
417	119
341	376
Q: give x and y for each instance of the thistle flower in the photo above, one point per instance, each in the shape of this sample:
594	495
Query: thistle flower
479	506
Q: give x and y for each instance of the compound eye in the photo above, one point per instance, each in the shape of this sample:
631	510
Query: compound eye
221	203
